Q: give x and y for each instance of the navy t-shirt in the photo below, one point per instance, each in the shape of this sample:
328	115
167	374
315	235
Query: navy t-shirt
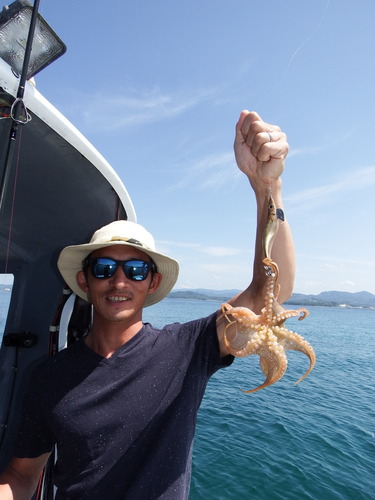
124	426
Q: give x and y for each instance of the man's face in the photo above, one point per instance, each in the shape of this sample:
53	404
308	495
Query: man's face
118	299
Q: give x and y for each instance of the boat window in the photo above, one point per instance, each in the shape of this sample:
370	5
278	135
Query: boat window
6	285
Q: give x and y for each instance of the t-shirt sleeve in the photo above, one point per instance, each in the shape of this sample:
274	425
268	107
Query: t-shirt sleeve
202	334
34	436
208	343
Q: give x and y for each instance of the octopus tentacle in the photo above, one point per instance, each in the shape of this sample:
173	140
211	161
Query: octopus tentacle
291	341
246	336
273	363
280	317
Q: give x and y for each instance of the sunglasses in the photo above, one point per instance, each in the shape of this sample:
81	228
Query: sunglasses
104	267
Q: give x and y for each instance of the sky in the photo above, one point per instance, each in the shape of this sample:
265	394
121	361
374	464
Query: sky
157	87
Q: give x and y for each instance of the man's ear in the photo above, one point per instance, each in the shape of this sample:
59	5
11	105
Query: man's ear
155	282
82	281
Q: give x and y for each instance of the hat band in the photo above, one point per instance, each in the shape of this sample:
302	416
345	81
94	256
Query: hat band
128	240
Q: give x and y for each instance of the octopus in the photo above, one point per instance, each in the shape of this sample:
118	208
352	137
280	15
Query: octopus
265	334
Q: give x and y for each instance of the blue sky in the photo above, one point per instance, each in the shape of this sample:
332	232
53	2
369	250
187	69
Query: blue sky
157	86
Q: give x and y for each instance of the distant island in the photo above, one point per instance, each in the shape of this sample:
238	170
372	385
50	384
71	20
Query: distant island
358	300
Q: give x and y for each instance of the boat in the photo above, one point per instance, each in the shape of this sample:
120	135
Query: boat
59	191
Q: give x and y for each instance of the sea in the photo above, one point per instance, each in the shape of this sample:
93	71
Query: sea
311	441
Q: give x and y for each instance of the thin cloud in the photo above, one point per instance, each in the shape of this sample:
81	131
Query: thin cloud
209	173
220	251
354	181
347	283
311	150
335	261
134	107
215	251
162	244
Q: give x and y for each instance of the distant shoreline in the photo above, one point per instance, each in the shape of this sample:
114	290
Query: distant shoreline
348	300
358	300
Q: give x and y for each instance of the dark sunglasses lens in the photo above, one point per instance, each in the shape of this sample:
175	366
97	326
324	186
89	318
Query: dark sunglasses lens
104	268
136	270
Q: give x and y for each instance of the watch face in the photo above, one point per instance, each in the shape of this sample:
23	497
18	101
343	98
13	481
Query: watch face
280	213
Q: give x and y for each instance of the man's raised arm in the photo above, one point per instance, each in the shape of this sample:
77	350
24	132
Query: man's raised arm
260	151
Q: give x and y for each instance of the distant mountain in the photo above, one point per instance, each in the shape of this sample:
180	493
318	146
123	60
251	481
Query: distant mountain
328	299
335	298
203	294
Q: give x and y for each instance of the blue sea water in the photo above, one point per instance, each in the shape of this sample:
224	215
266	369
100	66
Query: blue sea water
314	440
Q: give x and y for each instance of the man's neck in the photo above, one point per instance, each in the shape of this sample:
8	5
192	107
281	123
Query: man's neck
106	340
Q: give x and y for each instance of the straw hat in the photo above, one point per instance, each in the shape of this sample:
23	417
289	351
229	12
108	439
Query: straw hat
125	233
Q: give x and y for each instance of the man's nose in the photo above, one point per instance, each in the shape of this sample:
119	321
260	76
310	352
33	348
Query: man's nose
119	278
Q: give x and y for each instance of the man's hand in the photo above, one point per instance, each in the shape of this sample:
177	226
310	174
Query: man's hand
260	150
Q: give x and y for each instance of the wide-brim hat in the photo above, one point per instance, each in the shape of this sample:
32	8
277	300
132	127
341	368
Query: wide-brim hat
121	232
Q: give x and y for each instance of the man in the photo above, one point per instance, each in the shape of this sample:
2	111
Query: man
121	404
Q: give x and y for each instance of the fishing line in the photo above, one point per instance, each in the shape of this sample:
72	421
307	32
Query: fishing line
4	305
13	203
299	48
